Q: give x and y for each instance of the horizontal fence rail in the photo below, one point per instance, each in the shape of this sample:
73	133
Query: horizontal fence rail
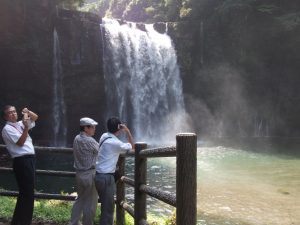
45	172
158	152
41	149
184	200
40	195
166	197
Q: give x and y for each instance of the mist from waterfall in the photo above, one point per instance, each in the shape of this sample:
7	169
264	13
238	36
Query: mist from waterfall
59	108
142	80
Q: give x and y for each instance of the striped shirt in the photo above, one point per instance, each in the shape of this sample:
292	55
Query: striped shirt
85	150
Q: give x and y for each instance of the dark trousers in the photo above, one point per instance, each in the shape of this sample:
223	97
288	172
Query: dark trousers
106	187
24	169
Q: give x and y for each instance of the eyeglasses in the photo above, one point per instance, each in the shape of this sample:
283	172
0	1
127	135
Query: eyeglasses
11	112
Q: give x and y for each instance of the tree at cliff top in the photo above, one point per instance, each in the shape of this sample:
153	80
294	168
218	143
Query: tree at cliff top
71	4
177	10
137	10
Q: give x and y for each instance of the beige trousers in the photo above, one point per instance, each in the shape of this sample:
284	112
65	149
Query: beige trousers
87	197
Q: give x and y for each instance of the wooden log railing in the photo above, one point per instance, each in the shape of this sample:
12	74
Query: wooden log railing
185	199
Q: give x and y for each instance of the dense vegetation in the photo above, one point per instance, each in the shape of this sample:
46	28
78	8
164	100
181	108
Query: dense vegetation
176	10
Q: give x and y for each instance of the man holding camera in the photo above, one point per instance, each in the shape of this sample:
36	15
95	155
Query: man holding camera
19	145
110	148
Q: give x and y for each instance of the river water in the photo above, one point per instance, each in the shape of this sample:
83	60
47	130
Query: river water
235	187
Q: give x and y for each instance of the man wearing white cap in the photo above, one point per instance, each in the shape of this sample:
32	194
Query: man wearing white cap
85	150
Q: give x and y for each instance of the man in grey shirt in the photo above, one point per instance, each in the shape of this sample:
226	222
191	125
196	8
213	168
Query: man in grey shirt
85	150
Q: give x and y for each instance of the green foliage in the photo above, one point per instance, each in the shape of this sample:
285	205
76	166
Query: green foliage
72	4
7	205
117	8
150	11
60	212
172	8
136	10
52	210
185	12
98	7
171	220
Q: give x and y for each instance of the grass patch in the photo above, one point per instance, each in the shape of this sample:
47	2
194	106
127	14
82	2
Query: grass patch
59	212
52	210
7	206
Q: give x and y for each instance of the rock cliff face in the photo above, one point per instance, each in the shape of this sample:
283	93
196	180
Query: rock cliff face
240	74
26	63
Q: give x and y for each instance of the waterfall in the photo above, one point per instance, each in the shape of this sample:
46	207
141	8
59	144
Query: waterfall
201	43
59	109
142	80
261	127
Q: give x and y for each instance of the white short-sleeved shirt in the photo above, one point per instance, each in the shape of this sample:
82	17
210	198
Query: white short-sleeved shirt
11	133
109	153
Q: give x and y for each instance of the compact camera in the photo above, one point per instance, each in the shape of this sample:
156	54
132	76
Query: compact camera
25	116
120	126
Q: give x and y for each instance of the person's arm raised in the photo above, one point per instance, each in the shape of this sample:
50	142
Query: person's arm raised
33	116
129	136
24	135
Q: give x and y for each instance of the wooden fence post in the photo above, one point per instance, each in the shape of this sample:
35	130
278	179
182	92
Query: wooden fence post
186	179
140	177
120	214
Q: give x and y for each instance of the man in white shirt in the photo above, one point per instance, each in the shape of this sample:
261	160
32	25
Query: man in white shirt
85	150
20	147
109	151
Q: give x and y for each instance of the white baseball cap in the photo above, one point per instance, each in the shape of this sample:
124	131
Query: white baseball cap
86	121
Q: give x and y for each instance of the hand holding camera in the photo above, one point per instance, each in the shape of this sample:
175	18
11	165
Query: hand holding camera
26	117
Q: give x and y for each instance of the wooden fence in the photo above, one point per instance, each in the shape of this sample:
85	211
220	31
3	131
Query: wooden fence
185	199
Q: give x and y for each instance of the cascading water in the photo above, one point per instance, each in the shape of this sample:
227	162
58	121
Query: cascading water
59	125
143	84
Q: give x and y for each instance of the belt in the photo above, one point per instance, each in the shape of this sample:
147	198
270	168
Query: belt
25	156
105	173
92	168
